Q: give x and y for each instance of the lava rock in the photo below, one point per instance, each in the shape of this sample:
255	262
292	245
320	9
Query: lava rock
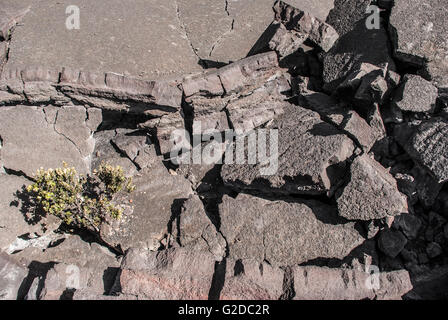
416	94
284	233
12	275
371	192
391	242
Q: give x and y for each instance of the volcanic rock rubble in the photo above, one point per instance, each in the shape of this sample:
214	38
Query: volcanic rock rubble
362	119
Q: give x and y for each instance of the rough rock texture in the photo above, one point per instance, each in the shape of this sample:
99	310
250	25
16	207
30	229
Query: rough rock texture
179	274
319	150
72	264
252	280
193	228
157	198
300	26
371	192
12	275
427	145
353	49
421	41
284	233
391	242
317	283
11	13
416	94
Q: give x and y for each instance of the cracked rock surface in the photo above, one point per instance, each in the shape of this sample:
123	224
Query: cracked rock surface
359	187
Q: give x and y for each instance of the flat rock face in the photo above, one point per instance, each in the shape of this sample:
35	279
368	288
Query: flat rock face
173	274
284	233
158	196
52	135
416	95
143	39
12	274
428	145
320	283
13	222
251	280
371	193
421	40
319	150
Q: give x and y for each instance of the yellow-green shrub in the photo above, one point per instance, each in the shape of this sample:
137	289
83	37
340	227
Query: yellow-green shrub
80	201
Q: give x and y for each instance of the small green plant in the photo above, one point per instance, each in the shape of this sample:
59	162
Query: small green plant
80	201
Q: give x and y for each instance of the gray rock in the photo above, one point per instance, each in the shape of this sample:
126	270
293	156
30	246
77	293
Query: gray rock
427	146
73	264
12	275
421	41
343	118
252	280
10	15
434	250
171	274
416	95
321	283
44	143
194	228
302	26
311	154
352	50
102	50
371	192
409	224
284	233
346	13
391	242
147	212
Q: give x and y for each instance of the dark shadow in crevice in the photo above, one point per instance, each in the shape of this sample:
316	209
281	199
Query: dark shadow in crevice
218	280
36	270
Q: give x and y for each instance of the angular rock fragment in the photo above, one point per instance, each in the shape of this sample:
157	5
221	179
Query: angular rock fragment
352	50
284	233
171	274
321	283
12	275
346	14
346	120
421	41
409	224
391	242
305	26
416	95
311	154
371	192
193	228
427	146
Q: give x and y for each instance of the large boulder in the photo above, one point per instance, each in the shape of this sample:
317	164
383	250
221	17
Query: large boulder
418	31
311	154
171	274
284	233
371	193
